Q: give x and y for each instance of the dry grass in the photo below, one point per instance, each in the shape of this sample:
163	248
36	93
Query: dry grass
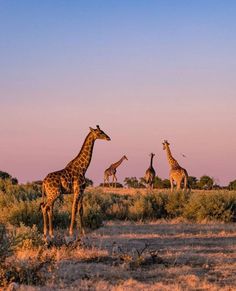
133	191
125	255
189	257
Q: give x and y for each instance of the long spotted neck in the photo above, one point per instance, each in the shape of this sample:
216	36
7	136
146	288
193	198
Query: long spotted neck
151	162
81	162
115	165
172	162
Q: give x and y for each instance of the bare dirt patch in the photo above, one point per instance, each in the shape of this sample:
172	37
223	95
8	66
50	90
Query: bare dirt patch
152	256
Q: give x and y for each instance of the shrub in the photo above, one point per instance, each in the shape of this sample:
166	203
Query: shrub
220	206
232	185
176	203
25	237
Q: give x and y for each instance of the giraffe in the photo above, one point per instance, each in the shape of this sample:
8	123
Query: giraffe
111	171
71	179
150	173
177	173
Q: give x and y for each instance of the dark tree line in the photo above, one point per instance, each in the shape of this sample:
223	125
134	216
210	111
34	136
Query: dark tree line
203	183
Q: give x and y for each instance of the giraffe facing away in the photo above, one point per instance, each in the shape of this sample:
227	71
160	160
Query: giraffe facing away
177	173
150	174
111	171
71	179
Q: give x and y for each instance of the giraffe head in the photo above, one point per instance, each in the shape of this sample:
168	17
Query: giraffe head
165	144
125	158
98	133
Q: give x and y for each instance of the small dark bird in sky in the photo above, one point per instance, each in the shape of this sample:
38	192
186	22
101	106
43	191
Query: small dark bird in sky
183	155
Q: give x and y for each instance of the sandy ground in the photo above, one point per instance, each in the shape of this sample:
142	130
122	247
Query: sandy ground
153	256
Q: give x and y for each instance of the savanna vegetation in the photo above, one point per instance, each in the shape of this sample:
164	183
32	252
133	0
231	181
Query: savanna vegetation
205	182
21	222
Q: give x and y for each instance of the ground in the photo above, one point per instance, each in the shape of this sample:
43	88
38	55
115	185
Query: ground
176	256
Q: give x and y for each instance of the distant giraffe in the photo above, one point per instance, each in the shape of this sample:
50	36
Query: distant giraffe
150	173
70	179
177	173
111	171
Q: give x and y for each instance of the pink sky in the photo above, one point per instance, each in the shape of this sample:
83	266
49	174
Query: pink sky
143	72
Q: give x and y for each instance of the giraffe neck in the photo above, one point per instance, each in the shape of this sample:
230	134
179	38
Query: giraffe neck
81	162
172	162
151	162
115	165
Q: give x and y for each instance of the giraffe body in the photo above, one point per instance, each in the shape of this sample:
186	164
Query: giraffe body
111	171
150	174
177	173
71	179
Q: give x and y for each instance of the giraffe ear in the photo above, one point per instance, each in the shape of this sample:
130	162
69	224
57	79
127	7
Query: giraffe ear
91	129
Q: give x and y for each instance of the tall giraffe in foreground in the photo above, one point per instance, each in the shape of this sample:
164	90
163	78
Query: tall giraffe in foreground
177	173
111	171
150	173
71	179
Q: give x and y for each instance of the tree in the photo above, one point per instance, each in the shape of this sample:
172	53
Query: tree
193	182
158	183
7	176
206	182
88	182
232	185
166	183
132	182
118	185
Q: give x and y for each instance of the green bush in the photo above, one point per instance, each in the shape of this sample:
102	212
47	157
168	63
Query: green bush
141	208
25	237
176	204
220	206
20	205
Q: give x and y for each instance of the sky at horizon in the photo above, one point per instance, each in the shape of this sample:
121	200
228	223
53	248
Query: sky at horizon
144	71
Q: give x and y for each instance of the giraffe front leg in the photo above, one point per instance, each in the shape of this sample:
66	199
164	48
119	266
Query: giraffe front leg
81	212
50	217
115	180
73	214
74	206
171	184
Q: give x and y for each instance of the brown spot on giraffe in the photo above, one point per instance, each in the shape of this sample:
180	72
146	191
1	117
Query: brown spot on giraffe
177	173
70	179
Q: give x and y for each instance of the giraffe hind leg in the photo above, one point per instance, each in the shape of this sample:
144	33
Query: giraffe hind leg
185	183
179	184
45	222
